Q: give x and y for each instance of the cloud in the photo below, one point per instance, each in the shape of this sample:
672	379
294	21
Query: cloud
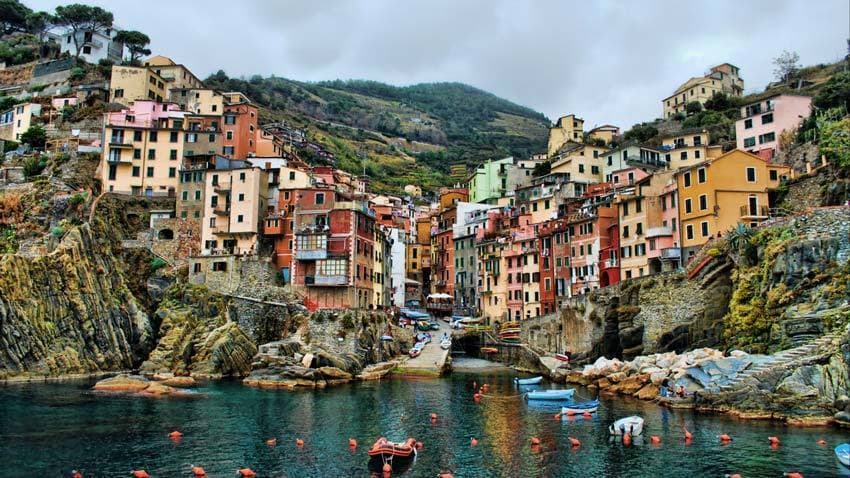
610	61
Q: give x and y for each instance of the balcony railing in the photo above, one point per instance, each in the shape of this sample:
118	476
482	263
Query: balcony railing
221	187
754	212
273	226
120	159
222	210
311	254
659	232
671	253
609	263
222	229
323	280
119	143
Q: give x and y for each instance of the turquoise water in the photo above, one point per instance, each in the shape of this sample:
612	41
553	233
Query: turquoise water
48	429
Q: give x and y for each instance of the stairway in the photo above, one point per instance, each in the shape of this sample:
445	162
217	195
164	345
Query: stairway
785	359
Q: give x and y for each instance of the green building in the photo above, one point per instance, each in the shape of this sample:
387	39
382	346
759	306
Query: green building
489	182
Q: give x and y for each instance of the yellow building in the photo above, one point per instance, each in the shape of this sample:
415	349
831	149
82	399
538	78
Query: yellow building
200	101
582	163
688	147
722	78
606	133
132	83
719	193
236	202
493	291
175	74
17	121
143	149
567	128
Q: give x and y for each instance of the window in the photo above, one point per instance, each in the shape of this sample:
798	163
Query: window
688	208
773	175
241	196
625	231
701	175
767	138
594	169
697	140
151	154
150	172
242	177
172	137
185	195
119	93
240	218
639	228
172	154
683	155
198	195
227	150
703	202
638	205
751	175
172	172
689	231
137	135
749	142
320	198
581	168
153	136
87	50
767	119
137	154
191	137
704	228
136	171
229	119
687	179
229	135
748	123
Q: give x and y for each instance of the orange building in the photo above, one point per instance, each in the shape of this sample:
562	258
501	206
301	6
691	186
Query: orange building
240	126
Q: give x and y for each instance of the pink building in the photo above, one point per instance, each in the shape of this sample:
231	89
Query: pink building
761	123
664	247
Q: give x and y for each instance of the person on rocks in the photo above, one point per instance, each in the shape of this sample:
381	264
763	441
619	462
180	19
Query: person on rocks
665	385
681	391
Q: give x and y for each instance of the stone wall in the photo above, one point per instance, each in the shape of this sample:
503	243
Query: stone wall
185	239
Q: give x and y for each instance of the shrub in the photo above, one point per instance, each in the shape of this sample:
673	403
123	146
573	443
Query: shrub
693	107
77	199
347	322
32	167
157	263
35	136
77	74
57	231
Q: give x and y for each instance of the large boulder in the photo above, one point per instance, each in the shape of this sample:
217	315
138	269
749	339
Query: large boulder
122	383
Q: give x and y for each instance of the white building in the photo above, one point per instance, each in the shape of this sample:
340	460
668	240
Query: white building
96	45
398	257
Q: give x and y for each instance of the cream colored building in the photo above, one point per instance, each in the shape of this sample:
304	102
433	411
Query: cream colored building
583	163
722	78
143	149
567	128
18	120
132	83
687	148
175	74
606	133
200	101
236	201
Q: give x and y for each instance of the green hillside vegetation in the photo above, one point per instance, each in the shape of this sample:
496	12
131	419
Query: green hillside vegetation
398	135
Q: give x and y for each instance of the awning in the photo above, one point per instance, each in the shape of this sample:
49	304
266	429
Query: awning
439	296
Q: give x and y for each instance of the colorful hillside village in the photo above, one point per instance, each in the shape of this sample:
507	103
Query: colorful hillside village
512	240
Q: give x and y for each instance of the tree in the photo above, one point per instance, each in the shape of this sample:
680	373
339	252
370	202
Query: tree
35	136
834	93
38	23
136	43
641	133
83	18
718	102
693	107
786	65
13	16
834	139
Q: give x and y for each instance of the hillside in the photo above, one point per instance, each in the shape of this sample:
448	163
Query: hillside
398	135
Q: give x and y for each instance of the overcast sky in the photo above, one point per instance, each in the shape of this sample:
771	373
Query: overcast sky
607	61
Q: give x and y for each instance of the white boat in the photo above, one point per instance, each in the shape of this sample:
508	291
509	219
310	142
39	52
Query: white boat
632	425
551	394
579	408
528	381
445	344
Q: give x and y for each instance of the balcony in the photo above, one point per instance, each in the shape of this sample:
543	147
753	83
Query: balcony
609	264
121	159
222	229
221	187
222	210
671	253
118	142
658	232
758	212
311	254
273	225
332	280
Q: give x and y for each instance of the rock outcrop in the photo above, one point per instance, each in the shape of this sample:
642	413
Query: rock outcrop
140	386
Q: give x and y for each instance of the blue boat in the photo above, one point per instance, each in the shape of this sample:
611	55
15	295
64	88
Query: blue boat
551	394
842	452
589	406
528	381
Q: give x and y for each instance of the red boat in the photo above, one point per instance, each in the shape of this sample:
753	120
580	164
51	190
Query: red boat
397	455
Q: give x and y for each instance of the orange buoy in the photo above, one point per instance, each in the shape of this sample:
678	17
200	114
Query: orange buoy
352	443
387	468
575	442
734	475
271	442
433	417
535	441
476	397
627	439
793	474
557	416
587	414
198	471
774	441
655	439
246	473
299	442
419	445
724	438
175	434
473	442
140	474
445	474
821	442
76	474
688	434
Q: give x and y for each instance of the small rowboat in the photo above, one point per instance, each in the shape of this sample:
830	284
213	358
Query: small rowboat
397	455
562	357
445	344
578	408
551	394
489	350
387	338
842	452
632	425
528	381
